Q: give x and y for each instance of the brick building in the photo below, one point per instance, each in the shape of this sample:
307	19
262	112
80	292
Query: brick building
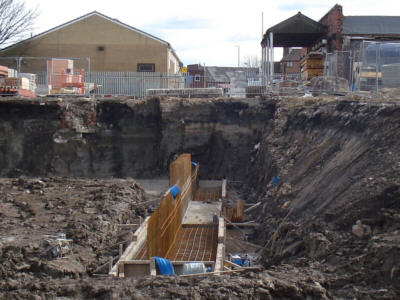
290	63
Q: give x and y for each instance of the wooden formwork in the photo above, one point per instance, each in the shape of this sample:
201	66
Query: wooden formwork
208	194
164	226
166	222
164	235
235	213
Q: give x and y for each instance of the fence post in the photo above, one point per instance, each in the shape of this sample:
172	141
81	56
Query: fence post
378	46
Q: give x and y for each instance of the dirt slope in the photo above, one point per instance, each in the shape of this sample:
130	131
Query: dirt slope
329	178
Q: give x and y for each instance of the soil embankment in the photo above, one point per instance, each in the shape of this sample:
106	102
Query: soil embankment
328	175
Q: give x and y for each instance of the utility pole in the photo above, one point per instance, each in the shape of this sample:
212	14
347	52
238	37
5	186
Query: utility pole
238	55
262	24
262	66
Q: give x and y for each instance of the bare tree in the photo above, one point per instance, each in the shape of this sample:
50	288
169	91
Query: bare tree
251	61
16	21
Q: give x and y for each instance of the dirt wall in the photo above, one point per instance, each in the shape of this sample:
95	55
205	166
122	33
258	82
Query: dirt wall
135	138
328	176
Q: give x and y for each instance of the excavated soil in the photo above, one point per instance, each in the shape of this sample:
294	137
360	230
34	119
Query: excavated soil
329	181
326	171
86	211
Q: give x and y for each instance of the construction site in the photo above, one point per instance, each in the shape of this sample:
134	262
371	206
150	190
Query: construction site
261	198
144	179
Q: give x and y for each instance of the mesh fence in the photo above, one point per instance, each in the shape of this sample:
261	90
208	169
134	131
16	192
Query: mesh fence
44	76
378	67
338	64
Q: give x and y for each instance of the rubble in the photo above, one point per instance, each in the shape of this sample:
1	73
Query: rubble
83	240
361	230
330	85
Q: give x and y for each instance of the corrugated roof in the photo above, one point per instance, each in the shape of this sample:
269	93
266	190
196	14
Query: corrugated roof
293	55
374	25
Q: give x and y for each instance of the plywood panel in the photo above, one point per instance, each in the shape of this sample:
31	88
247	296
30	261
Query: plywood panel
166	222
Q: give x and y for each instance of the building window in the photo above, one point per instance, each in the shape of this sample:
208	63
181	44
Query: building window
197	77
289	64
146	68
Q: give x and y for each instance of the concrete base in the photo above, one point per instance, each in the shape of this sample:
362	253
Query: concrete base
199	212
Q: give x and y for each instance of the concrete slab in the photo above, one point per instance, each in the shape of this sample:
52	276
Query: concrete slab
199	212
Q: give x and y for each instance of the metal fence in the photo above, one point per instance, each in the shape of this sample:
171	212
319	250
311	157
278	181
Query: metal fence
338	64
136	83
73	76
370	67
133	83
378	68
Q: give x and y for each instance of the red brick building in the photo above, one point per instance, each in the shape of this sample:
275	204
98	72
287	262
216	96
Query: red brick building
196	73
333	20
290	63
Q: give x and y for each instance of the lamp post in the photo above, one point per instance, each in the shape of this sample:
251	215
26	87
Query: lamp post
238	55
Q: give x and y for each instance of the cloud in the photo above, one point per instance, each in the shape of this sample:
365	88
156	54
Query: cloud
299	6
209	32
181	24
241	37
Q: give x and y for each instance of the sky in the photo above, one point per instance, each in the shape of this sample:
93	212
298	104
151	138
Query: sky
211	32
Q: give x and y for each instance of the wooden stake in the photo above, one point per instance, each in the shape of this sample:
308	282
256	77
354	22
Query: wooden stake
233	264
111	264
252	207
153	270
229	222
247	243
103	266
